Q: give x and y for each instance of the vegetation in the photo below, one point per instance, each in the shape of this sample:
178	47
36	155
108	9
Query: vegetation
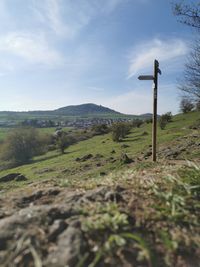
189	14
119	131
22	145
99	129
64	141
186	105
164	120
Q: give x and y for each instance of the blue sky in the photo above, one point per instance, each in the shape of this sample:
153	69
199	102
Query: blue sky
55	53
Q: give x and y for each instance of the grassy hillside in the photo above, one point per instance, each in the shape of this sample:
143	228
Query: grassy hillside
88	209
105	155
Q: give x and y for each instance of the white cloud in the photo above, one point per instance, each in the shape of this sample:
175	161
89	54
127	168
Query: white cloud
142	56
30	47
140	100
67	18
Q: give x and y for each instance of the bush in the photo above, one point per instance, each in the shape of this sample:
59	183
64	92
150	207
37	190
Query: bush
99	129
197	106
137	123
150	120
186	105
120	130
22	145
64	141
168	116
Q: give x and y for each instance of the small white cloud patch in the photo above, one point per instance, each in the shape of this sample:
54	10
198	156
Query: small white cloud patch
32	48
142	55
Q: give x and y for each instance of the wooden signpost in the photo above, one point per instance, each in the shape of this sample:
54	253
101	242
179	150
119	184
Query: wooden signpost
155	93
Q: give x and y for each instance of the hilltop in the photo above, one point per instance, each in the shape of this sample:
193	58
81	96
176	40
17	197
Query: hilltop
72	110
90	208
84	109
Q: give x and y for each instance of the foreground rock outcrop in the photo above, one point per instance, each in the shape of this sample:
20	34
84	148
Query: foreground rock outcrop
106	226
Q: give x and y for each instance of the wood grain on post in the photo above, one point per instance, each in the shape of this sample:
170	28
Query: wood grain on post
154	128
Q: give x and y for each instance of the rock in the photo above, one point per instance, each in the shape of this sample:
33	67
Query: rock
113	196
70	247
84	158
125	159
98	156
147	154
95	195
13	176
20	178
56	228
124	146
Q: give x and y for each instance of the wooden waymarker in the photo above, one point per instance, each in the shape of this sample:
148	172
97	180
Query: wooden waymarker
155	100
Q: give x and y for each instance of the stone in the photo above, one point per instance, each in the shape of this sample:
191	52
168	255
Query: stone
56	228
125	159
9	177
71	246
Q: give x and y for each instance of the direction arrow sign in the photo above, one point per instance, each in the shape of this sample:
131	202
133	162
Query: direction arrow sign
146	77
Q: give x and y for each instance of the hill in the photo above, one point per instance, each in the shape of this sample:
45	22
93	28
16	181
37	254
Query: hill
84	109
89	208
73	110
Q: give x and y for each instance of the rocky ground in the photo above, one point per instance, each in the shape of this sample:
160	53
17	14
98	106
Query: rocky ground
45	225
146	216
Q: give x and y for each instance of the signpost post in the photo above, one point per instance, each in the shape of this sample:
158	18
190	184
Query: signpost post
155	93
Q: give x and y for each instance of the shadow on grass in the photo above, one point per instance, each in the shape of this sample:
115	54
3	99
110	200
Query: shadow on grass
51	157
133	139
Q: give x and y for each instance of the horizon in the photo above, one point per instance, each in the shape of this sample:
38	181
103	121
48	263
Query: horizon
56	53
38	110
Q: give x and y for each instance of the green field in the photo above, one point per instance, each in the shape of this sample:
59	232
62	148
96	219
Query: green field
66	170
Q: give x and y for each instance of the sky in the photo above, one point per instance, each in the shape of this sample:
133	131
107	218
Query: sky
55	53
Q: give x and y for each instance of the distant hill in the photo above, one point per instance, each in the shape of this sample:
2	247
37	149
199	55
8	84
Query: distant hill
84	109
73	111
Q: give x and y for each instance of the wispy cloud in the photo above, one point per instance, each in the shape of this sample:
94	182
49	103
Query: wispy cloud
30	47
67	18
139	100
143	54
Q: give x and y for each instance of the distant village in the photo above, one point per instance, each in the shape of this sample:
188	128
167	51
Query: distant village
76	123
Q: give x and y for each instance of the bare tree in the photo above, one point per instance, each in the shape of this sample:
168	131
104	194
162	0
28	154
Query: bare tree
186	105
188	14
191	80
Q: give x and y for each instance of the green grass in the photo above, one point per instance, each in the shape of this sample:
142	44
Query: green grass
65	170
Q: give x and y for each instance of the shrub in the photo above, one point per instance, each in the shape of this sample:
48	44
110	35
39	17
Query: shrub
64	141
120	130
99	129
186	105
137	123
164	120
150	120
197	106
22	144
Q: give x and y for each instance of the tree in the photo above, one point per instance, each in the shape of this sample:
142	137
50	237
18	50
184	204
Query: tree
22	144
164	120
64	141
100	129
137	123
188	14
198	106
191	81
120	130
186	105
